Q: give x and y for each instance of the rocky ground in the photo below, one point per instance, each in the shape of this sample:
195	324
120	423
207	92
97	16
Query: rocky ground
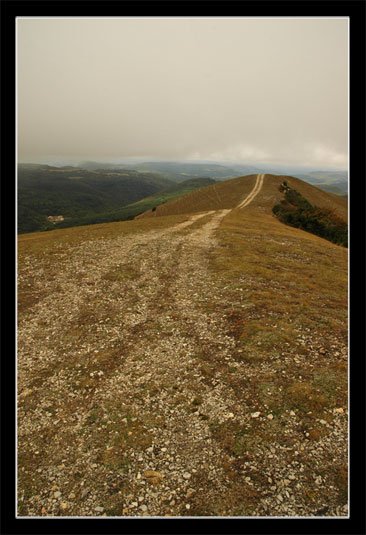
134	398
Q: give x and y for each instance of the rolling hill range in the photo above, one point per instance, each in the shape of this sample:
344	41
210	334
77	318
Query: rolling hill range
192	362
129	211
77	194
59	197
180	171
333	181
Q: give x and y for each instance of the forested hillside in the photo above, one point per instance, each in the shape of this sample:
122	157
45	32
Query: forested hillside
77	194
130	211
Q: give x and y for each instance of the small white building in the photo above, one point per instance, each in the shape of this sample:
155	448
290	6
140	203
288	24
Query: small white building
55	218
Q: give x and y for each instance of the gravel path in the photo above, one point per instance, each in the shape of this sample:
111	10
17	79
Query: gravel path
122	391
117	345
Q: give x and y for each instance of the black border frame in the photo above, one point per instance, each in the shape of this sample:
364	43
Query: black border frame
356	11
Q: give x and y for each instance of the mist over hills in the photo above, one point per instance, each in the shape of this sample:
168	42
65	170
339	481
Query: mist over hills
94	192
178	171
332	180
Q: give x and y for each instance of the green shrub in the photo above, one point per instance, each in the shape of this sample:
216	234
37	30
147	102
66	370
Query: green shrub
297	211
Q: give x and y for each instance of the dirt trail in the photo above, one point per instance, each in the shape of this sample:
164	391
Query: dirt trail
125	343
257	187
122	383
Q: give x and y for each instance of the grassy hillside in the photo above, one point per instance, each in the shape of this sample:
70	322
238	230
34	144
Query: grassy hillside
222	195
330	188
151	202
77	194
332	181
296	211
228	194
132	210
165	355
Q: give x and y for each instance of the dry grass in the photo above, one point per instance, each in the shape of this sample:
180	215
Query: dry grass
228	194
288	291
291	275
53	242
278	293
216	197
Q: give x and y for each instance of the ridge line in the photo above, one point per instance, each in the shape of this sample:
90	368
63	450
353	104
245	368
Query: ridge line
257	187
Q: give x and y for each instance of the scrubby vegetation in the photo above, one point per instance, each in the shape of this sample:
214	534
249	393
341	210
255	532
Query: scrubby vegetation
296	211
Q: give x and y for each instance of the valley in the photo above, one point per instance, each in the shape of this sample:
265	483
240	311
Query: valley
80	196
87	193
191	362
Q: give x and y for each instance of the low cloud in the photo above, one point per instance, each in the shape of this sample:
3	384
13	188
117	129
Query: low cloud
233	153
307	154
322	154
270	90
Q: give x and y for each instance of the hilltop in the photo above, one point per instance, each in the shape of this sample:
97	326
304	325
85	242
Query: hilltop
58	197
225	195
191	362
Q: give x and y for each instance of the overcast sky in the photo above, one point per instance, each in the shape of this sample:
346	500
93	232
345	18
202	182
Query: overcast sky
251	90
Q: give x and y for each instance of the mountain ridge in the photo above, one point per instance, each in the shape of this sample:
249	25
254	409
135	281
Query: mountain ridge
226	195
165	355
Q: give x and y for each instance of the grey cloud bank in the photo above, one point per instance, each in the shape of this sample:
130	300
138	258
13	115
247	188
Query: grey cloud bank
253	90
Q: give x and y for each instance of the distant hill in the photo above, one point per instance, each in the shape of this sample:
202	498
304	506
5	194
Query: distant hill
227	195
147	203
209	345
95	192
333	189
45	191
181	171
331	181
91	165
178	171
